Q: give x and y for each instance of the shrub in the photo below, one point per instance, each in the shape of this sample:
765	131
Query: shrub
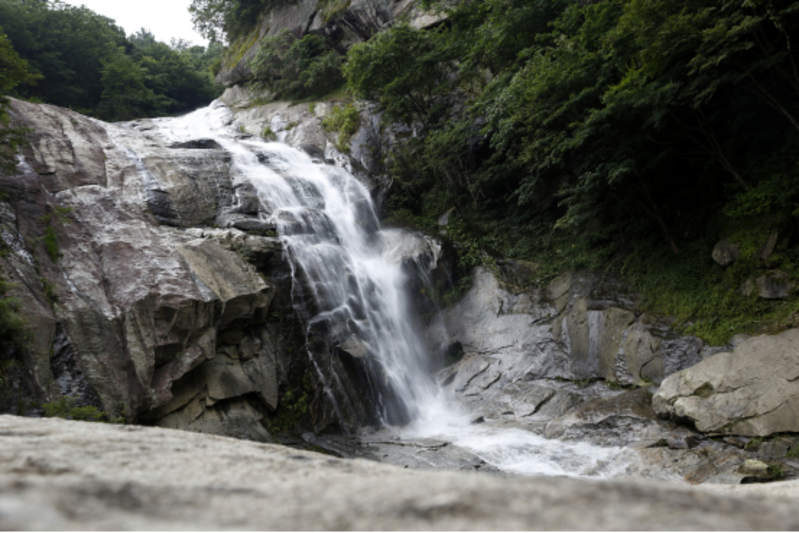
344	120
66	407
297	68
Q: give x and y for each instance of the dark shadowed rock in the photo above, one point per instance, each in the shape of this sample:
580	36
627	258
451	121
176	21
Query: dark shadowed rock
725	252
774	285
198	144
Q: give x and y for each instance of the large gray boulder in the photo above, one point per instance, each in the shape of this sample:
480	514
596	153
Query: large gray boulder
750	391
57	474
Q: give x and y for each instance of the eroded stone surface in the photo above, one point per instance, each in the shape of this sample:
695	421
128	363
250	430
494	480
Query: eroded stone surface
132	304
752	390
57	474
577	328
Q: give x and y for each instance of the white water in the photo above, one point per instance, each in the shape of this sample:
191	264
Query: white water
324	216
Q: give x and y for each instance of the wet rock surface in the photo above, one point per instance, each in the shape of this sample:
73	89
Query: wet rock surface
153	313
300	126
139	315
576	363
578	327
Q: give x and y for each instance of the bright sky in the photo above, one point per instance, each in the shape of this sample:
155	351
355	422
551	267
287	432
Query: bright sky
166	19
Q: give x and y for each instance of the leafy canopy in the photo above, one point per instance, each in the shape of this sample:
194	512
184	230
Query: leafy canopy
578	133
77	54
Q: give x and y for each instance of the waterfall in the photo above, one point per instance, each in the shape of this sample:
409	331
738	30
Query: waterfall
344	261
350	274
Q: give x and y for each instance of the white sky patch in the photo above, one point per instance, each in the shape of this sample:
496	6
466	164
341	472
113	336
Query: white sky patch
166	19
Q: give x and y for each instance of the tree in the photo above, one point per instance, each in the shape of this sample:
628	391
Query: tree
13	72
66	44
181	76
71	48
125	93
224	20
297	68
406	71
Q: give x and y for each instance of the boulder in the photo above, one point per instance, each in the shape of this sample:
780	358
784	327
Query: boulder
401	247
725	252
751	391
774	285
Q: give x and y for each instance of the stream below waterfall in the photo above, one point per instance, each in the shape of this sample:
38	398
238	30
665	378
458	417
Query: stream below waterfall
344	262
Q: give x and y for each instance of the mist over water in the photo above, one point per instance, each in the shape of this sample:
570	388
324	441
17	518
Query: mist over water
331	235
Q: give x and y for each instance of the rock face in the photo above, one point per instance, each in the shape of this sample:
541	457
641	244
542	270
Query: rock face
578	327
57	474
342	23
751	391
300	126
136	314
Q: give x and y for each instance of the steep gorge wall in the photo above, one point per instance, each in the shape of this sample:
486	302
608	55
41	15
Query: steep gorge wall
139	314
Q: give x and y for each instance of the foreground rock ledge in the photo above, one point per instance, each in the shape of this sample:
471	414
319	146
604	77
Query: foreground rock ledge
57	474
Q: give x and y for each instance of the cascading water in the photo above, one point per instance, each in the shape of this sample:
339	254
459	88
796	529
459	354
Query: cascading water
347	265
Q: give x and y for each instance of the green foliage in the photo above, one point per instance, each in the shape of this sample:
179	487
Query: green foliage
50	242
59	215
330	8
613	385
65	44
776	471
406	71
293	406
344	120
224	20
753	444
627	135
13	72
50	293
243	250
704	391
67	407
86	61
268	134
297	68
